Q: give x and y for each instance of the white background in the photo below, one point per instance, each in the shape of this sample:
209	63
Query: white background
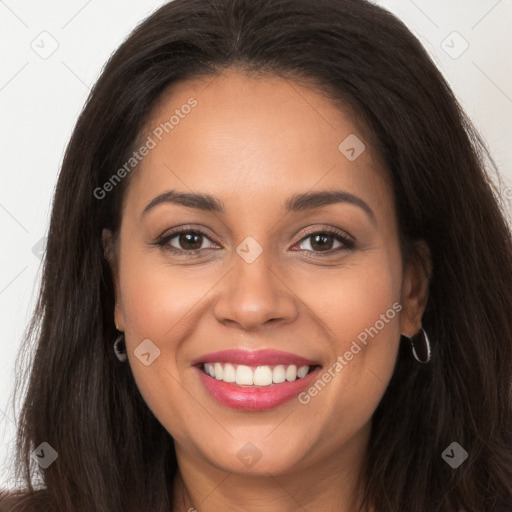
40	99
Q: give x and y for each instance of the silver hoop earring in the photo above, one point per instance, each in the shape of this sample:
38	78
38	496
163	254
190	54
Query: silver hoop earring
120	348
420	345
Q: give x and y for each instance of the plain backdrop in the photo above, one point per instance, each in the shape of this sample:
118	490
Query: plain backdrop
54	51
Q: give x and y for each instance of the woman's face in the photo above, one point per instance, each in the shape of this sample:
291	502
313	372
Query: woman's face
299	270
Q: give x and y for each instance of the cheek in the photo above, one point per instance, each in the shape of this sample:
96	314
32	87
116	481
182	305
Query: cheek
360	309
159	301
352	299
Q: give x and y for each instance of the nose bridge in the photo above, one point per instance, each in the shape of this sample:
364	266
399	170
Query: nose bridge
253	292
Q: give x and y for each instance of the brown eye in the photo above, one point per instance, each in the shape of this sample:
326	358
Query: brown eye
186	242
325	241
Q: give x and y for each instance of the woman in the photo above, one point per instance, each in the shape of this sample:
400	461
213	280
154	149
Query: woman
277	277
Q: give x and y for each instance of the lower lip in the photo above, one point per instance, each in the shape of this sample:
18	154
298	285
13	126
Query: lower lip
255	398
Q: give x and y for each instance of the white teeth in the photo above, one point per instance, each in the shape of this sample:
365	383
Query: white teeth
291	373
244	375
279	374
208	368
302	371
219	371
229	373
265	375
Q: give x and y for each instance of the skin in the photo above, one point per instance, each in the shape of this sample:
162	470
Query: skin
253	142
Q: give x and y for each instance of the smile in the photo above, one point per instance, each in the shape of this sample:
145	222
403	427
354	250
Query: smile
254	380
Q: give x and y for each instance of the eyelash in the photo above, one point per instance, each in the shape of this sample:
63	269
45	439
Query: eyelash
337	235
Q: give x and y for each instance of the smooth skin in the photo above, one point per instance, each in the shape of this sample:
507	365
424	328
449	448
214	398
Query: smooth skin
253	142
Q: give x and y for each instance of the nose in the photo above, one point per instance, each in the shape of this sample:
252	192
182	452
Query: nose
255	295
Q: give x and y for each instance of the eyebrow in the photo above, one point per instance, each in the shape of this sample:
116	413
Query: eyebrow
296	203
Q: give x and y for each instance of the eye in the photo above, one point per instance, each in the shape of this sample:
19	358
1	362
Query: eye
326	241
185	241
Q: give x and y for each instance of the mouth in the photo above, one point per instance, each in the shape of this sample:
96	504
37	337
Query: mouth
255	380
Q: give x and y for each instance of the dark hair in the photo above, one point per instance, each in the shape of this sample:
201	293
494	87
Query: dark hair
113	454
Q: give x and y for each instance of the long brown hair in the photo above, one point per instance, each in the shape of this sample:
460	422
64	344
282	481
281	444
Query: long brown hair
113	454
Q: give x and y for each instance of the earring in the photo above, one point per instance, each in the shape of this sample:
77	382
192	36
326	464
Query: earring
120	348
420	346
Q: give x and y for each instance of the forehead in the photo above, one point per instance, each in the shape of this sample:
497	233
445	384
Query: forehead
250	139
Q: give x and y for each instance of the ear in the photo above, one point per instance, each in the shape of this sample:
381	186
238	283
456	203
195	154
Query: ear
111	255
415	289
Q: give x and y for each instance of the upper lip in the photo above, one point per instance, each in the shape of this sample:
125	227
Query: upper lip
254	358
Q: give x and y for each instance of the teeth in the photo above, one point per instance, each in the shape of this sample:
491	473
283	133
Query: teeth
263	376
244	375
208	368
219	371
279	374
291	373
229	373
302	371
